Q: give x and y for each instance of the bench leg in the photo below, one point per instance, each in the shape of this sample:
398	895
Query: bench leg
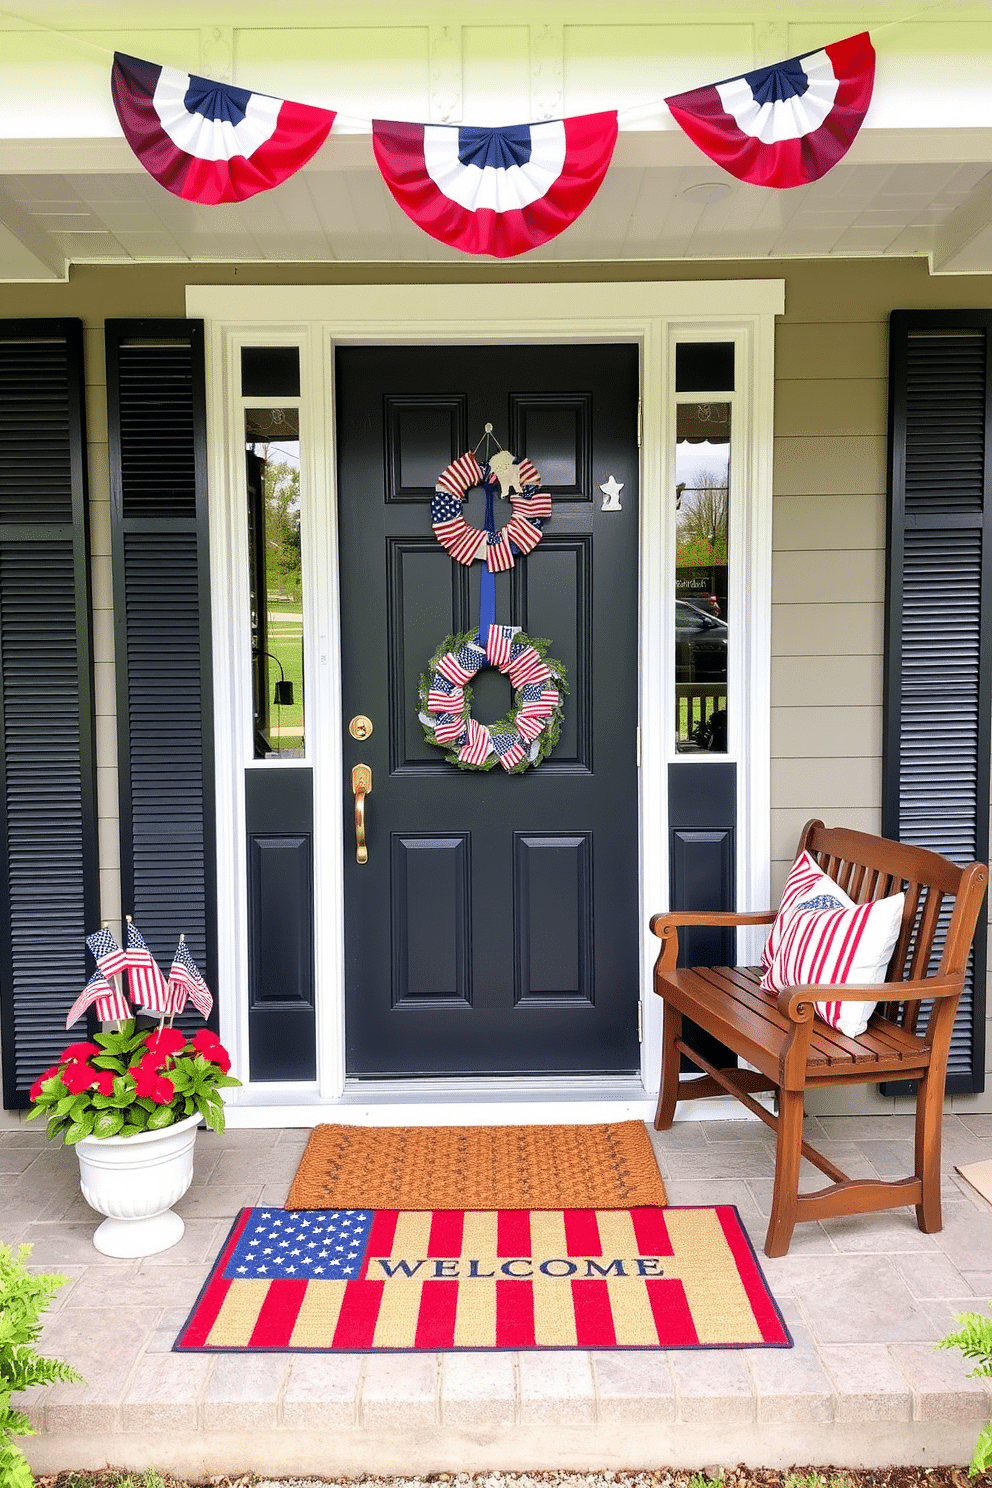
929	1116
788	1153
671	1061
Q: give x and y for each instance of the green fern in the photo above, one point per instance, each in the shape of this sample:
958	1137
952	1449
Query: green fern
23	1298
974	1339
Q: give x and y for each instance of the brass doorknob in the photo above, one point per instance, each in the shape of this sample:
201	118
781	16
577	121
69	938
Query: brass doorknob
361	786
360	727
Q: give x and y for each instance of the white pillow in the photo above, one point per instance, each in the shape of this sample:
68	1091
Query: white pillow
826	938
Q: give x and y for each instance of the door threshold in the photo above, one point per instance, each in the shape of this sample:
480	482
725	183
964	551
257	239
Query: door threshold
459	1101
498	1088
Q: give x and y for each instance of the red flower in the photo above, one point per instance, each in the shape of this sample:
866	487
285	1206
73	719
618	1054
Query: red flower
149	1084
77	1077
104	1082
76	1052
145	1075
35	1090
164	1091
164	1042
210	1046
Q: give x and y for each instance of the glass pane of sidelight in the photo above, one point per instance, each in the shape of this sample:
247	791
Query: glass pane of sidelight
704	367
702	506
270	371
272	470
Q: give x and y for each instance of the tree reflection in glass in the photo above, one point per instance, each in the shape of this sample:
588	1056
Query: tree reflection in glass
272	465
702	501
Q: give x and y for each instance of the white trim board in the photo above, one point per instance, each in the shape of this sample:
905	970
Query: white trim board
318	317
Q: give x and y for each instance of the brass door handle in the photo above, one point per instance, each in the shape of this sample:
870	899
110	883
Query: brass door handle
361	786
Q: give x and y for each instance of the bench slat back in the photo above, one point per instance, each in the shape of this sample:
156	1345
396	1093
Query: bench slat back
941	905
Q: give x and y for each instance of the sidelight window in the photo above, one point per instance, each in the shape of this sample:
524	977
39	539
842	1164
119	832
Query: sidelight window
702	520
272	484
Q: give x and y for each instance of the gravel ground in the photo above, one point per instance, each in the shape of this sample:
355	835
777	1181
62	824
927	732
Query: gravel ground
736	1477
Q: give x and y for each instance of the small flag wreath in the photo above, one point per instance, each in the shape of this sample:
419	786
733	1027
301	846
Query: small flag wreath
528	734
522	533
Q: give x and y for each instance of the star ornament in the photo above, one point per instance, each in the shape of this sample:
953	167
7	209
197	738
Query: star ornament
611	494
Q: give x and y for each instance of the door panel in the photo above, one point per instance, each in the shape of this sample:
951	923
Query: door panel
494	927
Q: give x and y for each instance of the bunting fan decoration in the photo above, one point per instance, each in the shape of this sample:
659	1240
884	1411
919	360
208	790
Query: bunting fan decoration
208	142
495	191
784	125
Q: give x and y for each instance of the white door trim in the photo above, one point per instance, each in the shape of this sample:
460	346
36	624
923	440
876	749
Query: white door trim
317	318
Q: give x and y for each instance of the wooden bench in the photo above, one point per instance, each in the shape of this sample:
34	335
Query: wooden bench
792	1050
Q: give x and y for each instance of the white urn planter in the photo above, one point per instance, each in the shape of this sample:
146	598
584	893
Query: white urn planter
135	1181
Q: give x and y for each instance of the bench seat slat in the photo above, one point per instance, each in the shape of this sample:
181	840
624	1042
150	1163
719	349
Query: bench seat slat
730	1004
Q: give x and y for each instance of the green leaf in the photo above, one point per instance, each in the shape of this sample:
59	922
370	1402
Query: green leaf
77	1130
982	1460
161	1117
14	1470
108	1124
212	1111
108	1062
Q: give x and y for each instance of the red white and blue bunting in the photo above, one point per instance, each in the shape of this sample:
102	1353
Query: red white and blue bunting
528	734
495	191
484	190
208	142
784	125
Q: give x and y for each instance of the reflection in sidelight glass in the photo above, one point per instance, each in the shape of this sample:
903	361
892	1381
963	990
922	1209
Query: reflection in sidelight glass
272	468
702	507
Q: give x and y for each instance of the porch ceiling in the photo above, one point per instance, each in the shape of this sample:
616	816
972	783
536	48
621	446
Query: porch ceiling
78	195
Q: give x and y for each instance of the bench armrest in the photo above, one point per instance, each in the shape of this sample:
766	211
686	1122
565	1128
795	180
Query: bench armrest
794	1002
660	923
665	926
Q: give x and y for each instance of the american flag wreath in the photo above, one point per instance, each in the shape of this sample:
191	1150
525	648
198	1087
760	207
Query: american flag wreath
517	479
528	734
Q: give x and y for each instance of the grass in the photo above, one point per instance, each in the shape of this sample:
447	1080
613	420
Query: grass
110	1479
285	643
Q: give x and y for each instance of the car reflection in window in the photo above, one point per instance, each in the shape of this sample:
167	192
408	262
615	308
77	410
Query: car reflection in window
701	679
700	645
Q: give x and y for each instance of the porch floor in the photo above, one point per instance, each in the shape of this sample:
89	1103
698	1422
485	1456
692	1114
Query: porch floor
864	1299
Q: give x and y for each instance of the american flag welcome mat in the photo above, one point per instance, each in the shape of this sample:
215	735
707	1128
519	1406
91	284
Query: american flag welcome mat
360	1280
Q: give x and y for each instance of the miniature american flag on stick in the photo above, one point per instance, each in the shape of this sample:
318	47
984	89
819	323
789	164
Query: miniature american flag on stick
108	999
148	986
185	982
106	952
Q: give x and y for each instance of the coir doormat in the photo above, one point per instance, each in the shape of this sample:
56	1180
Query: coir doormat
607	1166
388	1280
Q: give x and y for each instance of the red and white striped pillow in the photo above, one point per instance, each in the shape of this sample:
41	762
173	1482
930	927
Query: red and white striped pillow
828	938
806	879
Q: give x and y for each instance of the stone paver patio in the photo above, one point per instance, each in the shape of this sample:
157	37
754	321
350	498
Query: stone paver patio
865	1300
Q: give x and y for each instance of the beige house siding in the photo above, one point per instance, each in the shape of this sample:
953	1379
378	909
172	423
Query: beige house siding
829	521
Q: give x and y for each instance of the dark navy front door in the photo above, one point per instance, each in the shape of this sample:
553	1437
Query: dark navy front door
494	927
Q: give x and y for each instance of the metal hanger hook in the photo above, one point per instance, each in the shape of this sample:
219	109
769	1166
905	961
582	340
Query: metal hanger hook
490	438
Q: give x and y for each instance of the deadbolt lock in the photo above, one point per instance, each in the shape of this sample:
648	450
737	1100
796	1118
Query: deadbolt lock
360	727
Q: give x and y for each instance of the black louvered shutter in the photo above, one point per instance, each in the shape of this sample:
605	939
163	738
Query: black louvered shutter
157	430
937	651
49	877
